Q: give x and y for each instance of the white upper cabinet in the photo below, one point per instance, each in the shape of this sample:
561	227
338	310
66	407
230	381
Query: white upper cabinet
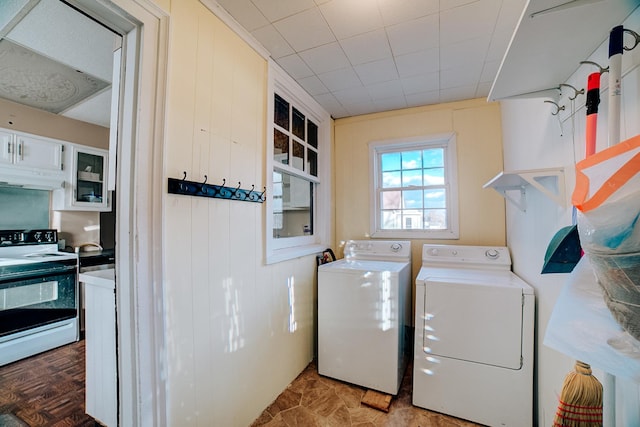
29	151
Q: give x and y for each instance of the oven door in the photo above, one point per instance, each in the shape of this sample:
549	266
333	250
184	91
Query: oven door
38	307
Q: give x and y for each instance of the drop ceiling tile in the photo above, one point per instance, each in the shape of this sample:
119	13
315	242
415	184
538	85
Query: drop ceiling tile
313	85
340	79
366	47
453	4
460	76
396	11
377	71
330	103
425	61
424	98
305	30
295	66
483	89
80	43
384	90
96	110
359	109
412	36
457	93
348	18
472	51
421	83
271	39
395	103
499	44
489	71
275	10
245	12
476	19
353	95
325	58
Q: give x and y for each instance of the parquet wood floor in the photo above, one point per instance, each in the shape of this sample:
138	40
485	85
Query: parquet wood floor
47	390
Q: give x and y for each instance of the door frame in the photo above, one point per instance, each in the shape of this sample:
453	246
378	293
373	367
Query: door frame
142	388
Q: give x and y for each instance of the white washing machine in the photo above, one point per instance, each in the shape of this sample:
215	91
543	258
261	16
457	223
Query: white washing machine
474	331
364	311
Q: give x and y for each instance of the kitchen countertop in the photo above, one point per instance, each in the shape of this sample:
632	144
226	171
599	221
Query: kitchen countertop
101	278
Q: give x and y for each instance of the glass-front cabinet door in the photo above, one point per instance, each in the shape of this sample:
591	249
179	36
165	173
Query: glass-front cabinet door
86	184
90	177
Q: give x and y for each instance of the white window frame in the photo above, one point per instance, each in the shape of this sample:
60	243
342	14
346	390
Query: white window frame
448	142
282	249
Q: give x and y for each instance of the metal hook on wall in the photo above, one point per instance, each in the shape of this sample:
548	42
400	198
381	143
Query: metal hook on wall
576	91
600	67
558	108
636	37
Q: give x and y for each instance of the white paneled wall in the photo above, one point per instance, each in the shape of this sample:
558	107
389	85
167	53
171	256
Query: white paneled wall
238	331
534	138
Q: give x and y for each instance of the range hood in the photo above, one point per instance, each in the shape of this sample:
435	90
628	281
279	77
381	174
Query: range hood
46	180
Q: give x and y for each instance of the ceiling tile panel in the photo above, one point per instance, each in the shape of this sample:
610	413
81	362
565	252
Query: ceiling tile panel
473	51
424	98
325	58
460	76
330	103
393	103
412	36
385	90
426	61
295	66
305	30
270	38
245	12
313	85
421	83
366	47
275	10
397	11
477	19
340	79
457	93
377	71
348	18
352	96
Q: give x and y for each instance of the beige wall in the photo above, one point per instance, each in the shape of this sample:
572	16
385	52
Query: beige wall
479	144
238	331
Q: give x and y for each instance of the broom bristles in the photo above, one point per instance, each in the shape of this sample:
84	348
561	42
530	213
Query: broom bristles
580	399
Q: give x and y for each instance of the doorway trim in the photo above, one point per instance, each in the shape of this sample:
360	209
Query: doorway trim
142	389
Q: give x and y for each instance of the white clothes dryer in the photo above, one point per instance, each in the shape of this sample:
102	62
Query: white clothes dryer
364	311
474	332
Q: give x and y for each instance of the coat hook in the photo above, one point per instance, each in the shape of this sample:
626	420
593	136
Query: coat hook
237	190
203	184
635	35
558	108
184	177
576	91
602	69
262	196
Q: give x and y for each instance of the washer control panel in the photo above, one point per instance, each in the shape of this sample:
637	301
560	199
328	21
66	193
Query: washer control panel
377	249
465	256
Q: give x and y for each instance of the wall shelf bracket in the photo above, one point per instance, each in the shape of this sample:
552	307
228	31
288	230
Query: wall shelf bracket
512	185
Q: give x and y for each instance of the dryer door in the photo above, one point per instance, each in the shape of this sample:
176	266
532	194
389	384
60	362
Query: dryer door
474	321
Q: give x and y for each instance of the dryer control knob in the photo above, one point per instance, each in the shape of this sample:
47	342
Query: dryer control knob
396	247
433	251
492	253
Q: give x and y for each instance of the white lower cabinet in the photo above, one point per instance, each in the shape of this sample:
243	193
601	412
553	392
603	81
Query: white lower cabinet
100	341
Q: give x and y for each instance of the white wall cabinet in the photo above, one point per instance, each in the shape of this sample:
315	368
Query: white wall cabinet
85	187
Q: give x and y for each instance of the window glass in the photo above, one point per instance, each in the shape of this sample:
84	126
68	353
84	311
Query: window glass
280	147
312	134
298	124
298	155
293	206
312	162
281	112
415	186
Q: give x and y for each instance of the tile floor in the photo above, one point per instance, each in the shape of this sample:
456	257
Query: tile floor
315	401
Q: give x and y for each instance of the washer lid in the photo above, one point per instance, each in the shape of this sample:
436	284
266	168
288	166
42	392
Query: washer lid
486	278
358	266
475	322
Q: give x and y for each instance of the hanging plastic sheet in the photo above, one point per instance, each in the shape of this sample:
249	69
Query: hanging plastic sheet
607	195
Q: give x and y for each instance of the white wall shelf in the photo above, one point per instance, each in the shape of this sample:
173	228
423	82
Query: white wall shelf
512	185
550	41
